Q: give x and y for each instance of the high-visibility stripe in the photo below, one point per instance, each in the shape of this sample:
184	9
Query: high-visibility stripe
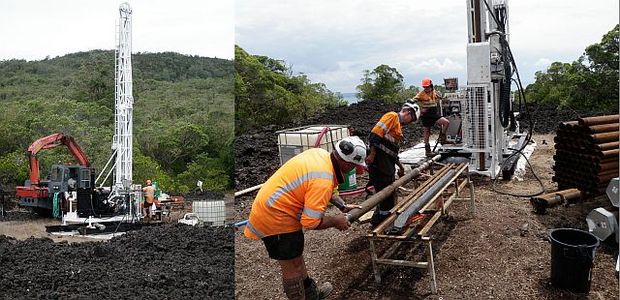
390	138
382	125
386	150
254	230
296	183
315	214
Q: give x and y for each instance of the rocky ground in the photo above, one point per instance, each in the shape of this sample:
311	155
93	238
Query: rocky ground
501	253
156	262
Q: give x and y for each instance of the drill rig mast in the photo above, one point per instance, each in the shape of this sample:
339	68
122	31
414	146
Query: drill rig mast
123	110
488	122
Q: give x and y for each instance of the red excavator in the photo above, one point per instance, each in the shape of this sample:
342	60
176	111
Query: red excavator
41	195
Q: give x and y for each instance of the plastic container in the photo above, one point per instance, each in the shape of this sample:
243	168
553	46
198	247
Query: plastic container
296	140
212	212
572	257
350	181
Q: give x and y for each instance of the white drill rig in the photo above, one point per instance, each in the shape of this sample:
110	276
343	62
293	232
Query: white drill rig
483	126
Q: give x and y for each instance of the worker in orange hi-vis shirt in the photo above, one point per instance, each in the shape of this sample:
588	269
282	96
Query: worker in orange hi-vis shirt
294	198
385	139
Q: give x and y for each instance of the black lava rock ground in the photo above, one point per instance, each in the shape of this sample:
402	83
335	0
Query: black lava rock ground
256	152
157	262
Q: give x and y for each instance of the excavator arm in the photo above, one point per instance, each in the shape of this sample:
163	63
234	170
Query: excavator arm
48	142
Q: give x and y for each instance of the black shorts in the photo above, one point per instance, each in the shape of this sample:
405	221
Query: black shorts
430	117
285	246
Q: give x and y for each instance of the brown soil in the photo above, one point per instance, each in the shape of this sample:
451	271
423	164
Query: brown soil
502	253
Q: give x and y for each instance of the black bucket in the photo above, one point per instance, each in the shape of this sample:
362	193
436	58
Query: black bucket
572	257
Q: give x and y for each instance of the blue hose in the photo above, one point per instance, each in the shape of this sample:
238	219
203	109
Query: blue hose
241	223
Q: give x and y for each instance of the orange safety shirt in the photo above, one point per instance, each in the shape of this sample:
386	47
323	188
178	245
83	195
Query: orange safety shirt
294	197
427	99
389	128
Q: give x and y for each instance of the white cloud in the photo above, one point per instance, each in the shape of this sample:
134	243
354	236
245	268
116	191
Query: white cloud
419	38
542	63
33	29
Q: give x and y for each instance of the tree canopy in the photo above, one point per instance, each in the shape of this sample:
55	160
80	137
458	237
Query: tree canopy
588	83
183	115
385	84
267	93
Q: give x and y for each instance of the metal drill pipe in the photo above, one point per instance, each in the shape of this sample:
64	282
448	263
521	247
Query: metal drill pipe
602	128
422	200
599	120
605	137
411	198
375	199
608	146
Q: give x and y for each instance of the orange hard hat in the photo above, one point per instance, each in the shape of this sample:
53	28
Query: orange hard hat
426	82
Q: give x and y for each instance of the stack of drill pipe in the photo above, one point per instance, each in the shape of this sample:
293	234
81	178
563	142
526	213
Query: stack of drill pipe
586	155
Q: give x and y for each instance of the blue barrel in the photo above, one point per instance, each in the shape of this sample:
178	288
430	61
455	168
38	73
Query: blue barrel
572	257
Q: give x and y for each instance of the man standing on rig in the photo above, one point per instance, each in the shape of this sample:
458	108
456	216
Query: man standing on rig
428	100
294	198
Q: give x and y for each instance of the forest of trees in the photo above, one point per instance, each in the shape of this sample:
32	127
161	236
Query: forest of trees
267	93
183	115
588	83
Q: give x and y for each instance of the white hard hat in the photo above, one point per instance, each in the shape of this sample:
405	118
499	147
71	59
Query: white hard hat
352	149
415	108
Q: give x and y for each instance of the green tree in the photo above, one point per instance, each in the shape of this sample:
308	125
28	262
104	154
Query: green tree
384	84
588	83
267	93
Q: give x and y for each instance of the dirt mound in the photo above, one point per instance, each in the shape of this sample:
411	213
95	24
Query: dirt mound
161	262
256	152
18	215
547	116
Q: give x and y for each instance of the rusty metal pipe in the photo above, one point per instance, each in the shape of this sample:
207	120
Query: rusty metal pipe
375	199
599	120
602	128
605	137
607	146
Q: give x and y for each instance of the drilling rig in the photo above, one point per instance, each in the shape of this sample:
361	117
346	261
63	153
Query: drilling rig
122	194
485	129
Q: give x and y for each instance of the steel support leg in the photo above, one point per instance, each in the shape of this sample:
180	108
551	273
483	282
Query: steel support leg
472	207
431	267
375	267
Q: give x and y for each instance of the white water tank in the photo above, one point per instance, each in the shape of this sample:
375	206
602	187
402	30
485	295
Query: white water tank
296	140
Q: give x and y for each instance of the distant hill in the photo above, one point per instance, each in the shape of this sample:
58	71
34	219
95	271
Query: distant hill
183	114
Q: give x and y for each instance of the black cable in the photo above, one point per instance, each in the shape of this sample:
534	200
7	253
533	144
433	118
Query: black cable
528	136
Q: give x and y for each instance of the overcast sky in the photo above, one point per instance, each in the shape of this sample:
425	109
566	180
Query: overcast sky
334	41
34	29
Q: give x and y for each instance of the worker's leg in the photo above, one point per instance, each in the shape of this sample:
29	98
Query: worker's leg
427	146
293	275
443	123
287	249
380	181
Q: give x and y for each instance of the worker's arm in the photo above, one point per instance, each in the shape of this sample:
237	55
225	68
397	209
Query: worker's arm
341	205
370	158
337	221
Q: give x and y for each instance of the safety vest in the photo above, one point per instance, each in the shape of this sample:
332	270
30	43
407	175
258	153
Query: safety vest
294	197
427	99
390	131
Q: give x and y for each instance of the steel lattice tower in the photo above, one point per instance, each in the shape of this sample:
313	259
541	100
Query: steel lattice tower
123	115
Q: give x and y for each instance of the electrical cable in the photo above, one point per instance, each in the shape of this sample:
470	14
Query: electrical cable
528	136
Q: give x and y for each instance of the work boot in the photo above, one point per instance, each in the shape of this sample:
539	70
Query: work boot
294	289
427	150
317	293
